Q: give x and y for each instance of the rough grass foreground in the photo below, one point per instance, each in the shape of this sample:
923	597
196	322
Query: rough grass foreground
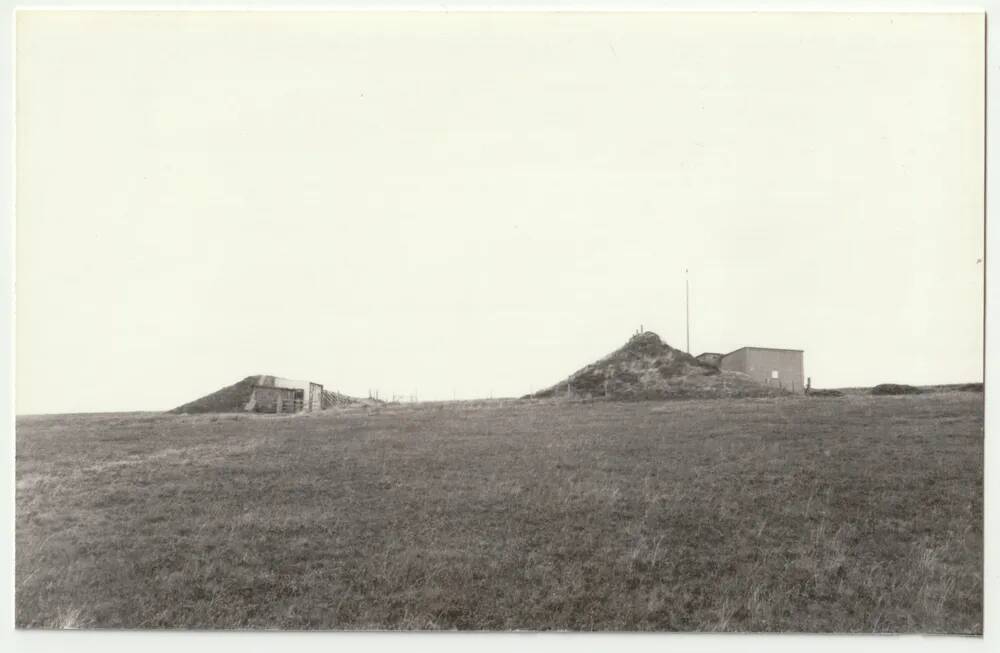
852	514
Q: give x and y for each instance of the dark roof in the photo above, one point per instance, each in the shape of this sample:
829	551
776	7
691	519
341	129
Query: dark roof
708	353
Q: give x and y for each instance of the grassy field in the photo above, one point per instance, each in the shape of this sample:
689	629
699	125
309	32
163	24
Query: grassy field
792	514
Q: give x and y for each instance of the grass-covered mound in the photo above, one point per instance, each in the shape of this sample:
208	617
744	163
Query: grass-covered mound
648	368
231	399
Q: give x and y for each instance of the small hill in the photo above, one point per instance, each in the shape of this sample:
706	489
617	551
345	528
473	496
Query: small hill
648	368
233	398
230	399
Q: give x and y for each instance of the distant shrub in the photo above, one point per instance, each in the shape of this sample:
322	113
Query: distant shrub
825	393
971	387
895	389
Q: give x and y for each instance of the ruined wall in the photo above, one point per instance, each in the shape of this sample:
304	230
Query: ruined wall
312	393
273	400
315	401
273	388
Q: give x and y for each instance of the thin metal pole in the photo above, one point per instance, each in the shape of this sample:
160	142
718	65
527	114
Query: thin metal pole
687	308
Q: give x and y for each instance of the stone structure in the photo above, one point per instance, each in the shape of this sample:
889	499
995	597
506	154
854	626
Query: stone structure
273	394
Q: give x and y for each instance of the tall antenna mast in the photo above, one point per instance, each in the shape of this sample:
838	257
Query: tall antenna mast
687	308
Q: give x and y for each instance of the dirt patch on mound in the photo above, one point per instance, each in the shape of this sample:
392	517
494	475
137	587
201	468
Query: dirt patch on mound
648	368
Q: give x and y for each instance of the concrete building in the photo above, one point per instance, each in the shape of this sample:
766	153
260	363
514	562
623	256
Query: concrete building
782	368
273	394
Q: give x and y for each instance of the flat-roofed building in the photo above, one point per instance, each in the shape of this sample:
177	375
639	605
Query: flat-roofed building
782	368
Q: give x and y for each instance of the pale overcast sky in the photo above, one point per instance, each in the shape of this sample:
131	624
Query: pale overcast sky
476	204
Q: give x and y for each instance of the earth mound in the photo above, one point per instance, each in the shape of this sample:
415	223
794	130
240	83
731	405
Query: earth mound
234	398
648	368
230	399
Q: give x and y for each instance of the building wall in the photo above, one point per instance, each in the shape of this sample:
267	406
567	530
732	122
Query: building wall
273	400
735	361
315	401
312	393
775	367
271	389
